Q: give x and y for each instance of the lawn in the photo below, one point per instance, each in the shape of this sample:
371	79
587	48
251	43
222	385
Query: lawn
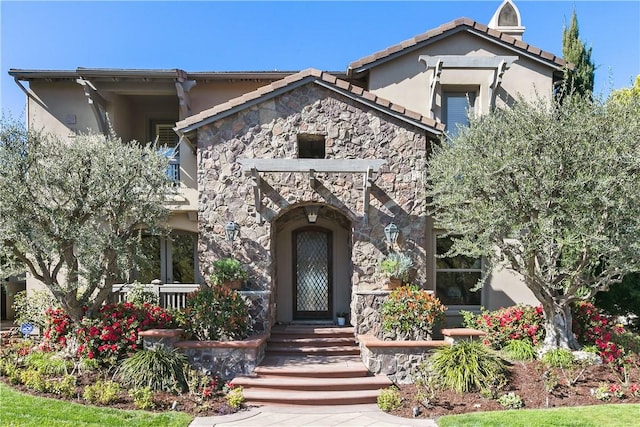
20	409
583	416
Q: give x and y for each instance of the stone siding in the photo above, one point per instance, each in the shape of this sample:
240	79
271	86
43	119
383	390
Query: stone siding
225	359
352	131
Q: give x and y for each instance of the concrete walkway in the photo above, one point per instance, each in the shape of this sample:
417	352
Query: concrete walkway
321	416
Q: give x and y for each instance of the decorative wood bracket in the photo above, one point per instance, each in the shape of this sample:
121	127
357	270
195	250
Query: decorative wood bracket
98	104
257	195
499	63
311	166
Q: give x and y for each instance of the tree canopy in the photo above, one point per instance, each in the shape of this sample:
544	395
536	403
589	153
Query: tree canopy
549	190
580	79
72	210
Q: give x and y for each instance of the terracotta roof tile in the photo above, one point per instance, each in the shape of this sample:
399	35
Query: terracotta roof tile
210	115
457	24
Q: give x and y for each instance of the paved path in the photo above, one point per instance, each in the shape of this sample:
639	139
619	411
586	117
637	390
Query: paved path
311	416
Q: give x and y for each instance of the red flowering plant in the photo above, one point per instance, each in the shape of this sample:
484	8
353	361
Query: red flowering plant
110	335
58	327
518	322
113	333
615	345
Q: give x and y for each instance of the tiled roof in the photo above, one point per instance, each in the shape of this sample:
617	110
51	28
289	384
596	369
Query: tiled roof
298	79
457	25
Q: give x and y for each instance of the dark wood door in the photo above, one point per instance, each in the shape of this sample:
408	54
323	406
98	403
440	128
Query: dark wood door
312	273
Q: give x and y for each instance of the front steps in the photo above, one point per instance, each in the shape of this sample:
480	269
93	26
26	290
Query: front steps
311	365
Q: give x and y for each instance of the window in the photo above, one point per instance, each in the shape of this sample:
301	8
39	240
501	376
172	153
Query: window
456	276
172	259
456	107
311	146
168	142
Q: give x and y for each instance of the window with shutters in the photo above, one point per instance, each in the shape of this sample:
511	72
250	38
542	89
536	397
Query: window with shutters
168	144
456	107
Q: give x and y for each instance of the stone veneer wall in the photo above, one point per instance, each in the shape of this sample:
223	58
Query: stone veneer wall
352	131
225	359
368	305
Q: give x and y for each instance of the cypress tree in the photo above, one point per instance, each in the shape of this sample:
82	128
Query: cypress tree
580	78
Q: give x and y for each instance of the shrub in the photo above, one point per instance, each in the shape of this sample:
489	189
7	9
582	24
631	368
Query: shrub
65	387
113	333
411	313
613	342
58	328
47	363
235	398
142	398
103	392
397	265
518	322
468	365
139	295
519	350
157	368
216	313
34	380
389	399
558	358
510	401
29	309
227	270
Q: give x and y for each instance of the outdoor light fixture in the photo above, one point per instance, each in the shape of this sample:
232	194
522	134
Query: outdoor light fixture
391	232
312	213
232	230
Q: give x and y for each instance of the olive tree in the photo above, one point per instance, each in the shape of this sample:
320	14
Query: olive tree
550	191
72	210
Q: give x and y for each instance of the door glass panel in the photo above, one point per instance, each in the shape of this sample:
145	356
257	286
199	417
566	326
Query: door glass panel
312	271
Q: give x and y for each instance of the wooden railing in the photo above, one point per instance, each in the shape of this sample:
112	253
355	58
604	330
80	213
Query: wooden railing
170	295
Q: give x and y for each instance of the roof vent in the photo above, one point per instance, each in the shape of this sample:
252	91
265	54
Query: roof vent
507	20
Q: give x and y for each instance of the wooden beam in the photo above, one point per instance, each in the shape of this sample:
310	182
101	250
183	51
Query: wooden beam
257	195
366	194
317	165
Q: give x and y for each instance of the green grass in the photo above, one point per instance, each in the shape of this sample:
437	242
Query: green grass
19	409
583	416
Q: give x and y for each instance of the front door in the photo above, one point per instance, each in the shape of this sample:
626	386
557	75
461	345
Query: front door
312	273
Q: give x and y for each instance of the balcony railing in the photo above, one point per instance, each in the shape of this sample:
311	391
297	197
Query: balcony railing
170	295
173	171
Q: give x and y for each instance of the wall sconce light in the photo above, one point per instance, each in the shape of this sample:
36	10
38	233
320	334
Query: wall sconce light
232	230
312	213
391	233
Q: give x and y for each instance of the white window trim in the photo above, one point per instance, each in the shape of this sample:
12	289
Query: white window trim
455	308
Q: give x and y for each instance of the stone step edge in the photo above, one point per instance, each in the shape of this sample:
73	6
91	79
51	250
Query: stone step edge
313	384
313	398
312	371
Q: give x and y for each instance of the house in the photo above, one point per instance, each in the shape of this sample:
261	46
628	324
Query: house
312	165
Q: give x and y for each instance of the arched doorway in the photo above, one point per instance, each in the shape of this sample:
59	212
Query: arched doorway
313	265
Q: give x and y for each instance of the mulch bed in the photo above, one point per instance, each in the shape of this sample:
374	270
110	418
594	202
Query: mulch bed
525	381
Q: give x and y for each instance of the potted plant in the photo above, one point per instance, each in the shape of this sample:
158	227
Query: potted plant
409	313
397	267
342	318
228	272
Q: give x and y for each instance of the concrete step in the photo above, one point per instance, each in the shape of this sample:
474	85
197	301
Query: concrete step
312	350
313	384
292	341
294	331
312	366
288	397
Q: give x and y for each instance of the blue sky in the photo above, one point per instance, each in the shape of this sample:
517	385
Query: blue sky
285	35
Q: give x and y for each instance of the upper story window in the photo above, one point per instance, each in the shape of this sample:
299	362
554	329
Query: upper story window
311	146
456	107
456	276
168	142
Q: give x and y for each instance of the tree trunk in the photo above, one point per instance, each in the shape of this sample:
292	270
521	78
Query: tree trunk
558	326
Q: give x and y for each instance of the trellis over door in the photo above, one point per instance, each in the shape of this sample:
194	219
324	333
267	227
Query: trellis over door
312	274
